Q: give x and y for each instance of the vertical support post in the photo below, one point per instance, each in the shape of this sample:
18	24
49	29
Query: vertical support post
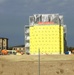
39	62
60	35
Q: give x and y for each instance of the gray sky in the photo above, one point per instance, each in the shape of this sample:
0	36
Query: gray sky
14	14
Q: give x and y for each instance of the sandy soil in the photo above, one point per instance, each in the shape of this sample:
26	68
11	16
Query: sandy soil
28	65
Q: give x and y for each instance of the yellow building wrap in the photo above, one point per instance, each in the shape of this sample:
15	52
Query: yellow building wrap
49	39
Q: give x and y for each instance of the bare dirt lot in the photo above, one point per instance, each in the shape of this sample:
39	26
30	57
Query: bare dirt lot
28	65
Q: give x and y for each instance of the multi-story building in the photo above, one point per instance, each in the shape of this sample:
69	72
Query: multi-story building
3	43
47	33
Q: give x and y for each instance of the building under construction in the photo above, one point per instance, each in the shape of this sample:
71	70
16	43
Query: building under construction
47	33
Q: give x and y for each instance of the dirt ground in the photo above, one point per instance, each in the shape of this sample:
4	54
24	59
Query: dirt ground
29	65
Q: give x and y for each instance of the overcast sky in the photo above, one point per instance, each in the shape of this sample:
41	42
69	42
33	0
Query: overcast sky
14	14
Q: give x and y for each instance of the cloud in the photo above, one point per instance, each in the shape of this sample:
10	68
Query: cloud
2	1
28	7
65	3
